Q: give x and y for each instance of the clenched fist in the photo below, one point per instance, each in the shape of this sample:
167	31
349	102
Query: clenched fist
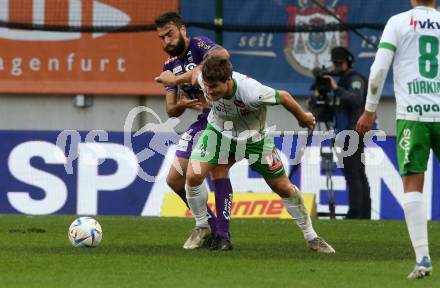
307	120
166	78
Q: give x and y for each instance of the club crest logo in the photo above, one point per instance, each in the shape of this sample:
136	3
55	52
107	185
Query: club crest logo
305	51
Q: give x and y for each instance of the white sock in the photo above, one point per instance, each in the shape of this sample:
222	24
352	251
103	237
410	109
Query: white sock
295	207
197	201
414	208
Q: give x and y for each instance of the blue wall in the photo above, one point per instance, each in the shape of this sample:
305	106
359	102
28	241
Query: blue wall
271	58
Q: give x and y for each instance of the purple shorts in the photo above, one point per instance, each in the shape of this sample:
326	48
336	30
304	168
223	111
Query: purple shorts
189	137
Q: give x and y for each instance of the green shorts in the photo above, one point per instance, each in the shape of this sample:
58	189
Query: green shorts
214	148
414	142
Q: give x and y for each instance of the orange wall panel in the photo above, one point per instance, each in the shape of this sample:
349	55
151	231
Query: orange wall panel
93	63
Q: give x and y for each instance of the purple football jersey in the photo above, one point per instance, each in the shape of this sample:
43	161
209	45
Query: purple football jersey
198	47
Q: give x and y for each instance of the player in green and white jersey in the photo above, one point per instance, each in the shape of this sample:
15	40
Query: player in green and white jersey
236	130
412	40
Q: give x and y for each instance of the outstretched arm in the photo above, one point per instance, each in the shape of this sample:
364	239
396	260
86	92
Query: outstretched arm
305	119
167	78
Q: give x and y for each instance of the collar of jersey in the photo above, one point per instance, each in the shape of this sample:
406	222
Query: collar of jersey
233	90
425	8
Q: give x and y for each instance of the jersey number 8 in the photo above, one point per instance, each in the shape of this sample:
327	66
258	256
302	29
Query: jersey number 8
428	62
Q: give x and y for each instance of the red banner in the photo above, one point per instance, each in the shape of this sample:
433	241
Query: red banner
80	63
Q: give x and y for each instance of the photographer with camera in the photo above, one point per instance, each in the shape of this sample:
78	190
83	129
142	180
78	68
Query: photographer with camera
349	99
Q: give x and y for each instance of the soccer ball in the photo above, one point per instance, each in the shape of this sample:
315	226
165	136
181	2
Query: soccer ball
85	232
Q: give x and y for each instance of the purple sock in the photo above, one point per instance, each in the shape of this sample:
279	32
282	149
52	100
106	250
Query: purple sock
212	221
223	204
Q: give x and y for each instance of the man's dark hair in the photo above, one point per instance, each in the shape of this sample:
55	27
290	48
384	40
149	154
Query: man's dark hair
342	54
216	68
169	17
426	2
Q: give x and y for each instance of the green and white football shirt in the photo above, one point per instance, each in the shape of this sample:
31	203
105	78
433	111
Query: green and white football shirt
243	116
414	36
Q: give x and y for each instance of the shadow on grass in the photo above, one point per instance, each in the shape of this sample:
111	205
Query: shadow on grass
346	251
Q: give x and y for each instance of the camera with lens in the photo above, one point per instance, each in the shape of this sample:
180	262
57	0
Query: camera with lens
322	104
322	85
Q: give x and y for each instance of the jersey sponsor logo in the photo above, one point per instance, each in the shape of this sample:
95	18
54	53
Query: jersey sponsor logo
190	66
413	23
221	107
423	87
424	108
239	103
74	17
177	69
427	24
305	51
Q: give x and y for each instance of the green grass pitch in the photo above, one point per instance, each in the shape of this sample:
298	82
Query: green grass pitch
146	252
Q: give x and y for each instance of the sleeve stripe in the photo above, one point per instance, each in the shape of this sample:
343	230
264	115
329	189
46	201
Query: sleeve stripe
388	46
277	97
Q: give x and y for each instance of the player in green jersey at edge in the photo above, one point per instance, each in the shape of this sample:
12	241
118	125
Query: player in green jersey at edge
236	130
412	40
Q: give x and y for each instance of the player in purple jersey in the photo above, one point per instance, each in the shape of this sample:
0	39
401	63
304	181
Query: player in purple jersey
185	54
